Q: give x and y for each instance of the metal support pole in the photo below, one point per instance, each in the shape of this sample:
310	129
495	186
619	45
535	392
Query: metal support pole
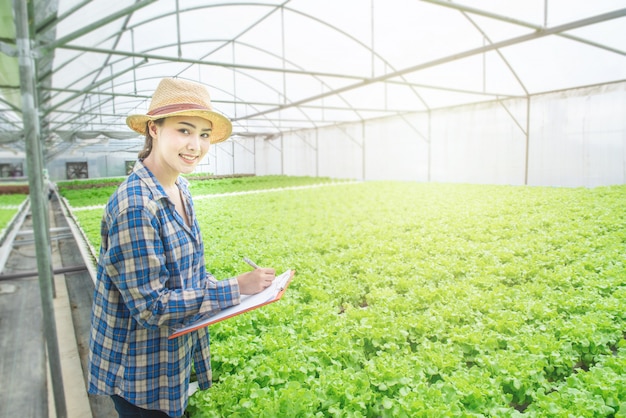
363	156
430	146
254	155
30	120
317	152
282	155
527	150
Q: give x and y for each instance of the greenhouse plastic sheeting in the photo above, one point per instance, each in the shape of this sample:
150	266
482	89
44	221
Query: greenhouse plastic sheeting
429	90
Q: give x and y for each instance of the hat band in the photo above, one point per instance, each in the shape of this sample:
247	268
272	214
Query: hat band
164	110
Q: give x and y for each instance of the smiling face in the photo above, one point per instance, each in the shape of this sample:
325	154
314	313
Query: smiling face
178	144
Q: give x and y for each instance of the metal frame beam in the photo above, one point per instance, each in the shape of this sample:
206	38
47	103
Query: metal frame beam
507	19
45	49
471	52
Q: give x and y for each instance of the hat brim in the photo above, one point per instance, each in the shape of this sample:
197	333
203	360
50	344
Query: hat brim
221	126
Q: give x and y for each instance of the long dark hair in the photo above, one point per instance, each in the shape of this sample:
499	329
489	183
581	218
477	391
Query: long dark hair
147	145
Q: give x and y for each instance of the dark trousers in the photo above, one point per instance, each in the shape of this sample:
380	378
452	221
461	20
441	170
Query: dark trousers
126	409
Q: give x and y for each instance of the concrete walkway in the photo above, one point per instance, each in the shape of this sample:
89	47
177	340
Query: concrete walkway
27	391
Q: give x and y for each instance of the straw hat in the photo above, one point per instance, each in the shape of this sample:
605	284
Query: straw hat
176	97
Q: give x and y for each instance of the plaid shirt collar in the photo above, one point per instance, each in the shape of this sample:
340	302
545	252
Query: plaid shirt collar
155	187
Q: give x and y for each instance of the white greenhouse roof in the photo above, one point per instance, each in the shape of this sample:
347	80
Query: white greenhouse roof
279	66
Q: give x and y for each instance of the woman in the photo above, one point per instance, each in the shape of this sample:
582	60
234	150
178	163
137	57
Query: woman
151	274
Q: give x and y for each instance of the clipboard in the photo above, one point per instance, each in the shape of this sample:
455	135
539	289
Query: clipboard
248	303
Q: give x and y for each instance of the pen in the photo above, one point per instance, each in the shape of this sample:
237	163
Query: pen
252	263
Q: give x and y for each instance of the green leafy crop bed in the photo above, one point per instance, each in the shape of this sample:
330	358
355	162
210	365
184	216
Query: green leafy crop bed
88	193
421	300
9	204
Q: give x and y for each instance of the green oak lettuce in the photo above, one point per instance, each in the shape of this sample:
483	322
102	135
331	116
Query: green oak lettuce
421	300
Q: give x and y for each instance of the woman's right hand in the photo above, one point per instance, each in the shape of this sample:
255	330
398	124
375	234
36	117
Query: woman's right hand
255	281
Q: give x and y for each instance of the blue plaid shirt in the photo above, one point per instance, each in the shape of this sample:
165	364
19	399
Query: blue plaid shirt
151	278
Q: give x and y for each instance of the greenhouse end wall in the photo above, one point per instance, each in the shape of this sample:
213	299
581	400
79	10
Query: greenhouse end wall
97	165
577	138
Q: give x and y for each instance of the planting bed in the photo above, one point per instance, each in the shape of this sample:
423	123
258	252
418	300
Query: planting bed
417	300
9	205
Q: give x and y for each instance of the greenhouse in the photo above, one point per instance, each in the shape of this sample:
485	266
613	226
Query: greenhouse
446	178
